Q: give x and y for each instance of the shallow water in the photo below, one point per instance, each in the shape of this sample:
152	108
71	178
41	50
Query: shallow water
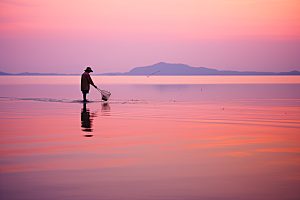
152	80
200	141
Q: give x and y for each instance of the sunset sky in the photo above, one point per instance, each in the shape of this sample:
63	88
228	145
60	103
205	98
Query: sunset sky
64	36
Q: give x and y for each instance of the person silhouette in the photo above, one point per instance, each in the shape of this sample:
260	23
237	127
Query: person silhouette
86	81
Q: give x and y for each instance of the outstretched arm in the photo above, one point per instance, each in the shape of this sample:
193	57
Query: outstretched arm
91	81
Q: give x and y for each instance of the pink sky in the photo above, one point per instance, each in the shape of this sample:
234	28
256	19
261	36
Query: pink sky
116	35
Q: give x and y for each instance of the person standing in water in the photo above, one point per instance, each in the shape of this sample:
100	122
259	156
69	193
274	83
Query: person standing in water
86	81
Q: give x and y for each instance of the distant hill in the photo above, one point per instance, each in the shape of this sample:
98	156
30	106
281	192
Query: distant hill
182	69
38	74
3	73
169	69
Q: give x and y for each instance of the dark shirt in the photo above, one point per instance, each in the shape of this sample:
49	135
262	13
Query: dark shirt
86	81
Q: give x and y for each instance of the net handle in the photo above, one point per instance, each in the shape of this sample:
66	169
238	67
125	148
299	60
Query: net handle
99	90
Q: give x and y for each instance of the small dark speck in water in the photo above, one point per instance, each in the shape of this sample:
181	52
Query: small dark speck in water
87	130
88	135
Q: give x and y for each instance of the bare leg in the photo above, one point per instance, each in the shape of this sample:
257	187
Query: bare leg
84	97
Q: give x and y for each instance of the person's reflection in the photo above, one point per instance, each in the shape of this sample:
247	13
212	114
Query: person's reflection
86	121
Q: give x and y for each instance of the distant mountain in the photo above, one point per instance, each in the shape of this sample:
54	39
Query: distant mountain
181	69
37	74
3	73
170	69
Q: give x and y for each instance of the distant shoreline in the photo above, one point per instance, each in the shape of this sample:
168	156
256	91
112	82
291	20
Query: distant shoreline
168	69
152	75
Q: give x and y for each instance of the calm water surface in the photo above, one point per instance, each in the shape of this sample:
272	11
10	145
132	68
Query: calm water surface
152	79
150	141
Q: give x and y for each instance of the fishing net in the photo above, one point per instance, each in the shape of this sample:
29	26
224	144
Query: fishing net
105	94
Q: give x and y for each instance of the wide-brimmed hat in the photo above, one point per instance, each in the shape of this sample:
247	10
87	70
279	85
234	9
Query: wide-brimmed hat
88	69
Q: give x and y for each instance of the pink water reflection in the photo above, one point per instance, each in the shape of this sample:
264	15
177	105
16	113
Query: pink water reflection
156	80
235	149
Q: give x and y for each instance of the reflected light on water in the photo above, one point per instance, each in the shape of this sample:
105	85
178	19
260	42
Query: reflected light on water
230	149
150	141
71	80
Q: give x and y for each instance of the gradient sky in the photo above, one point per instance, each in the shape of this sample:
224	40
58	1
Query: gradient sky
64	36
